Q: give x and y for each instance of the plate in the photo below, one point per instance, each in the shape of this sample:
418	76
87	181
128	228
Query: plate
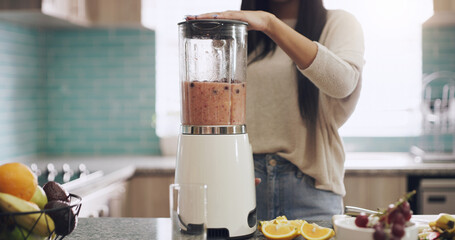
345	229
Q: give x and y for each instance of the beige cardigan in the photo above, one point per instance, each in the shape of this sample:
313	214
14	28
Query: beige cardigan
273	118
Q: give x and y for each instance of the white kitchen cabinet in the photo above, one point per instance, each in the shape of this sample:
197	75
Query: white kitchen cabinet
148	195
374	191
108	201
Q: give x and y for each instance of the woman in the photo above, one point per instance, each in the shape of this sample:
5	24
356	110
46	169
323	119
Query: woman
304	80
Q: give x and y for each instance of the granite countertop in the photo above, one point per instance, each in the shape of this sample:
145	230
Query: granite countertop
134	228
160	228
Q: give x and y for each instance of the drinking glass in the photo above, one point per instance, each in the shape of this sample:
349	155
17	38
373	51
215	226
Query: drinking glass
188	211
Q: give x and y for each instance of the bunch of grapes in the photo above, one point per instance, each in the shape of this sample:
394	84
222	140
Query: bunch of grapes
394	218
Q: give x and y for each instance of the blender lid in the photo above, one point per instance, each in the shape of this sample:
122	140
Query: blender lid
228	21
212	28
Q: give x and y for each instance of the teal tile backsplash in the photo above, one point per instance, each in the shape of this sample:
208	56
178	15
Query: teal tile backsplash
76	91
101	94
438	48
22	91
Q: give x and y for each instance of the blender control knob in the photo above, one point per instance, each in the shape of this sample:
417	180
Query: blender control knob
67	172
83	171
35	169
51	172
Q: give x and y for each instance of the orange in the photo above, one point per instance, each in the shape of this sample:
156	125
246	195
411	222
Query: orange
297	223
18	180
284	231
312	231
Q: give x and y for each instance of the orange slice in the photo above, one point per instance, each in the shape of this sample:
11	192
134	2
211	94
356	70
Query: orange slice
297	223
312	231
283	231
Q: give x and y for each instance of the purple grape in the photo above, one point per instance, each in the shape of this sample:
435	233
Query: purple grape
399	219
379	235
405	206
398	230
391	216
378	226
407	215
361	220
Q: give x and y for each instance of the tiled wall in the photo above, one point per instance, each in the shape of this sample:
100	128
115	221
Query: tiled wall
101	94
76	91
438	51
22	91
438	55
438	48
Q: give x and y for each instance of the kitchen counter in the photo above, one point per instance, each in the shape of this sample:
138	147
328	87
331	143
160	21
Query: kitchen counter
384	163
157	228
394	163
114	169
133	228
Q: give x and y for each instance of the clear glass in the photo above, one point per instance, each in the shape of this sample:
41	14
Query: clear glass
213	55
188	211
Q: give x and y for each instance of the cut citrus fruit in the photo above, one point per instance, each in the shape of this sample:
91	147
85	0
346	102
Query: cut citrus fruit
297	223
312	231
283	231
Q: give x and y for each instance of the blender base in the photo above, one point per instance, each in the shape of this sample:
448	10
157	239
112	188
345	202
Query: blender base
225	164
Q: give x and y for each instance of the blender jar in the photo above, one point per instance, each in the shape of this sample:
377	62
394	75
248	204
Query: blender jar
213	55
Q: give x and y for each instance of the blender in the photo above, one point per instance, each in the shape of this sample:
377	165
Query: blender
213	146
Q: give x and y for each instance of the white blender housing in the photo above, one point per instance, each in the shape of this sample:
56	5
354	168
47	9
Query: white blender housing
213	146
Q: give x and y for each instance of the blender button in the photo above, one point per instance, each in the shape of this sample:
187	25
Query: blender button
272	162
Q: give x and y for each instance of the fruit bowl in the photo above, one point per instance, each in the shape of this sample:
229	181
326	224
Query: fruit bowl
346	229
24	225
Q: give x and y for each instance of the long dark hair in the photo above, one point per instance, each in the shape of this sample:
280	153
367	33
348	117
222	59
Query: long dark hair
311	20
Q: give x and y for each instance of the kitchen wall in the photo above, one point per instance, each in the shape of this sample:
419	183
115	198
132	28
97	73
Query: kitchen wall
101	92
76	91
22	91
438	38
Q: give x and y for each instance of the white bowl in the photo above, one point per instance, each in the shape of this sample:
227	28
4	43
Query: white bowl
345	229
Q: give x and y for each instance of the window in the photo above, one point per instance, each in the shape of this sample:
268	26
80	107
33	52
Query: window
390	98
392	76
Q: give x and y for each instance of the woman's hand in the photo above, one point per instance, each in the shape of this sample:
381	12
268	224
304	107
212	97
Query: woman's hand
299	48
257	20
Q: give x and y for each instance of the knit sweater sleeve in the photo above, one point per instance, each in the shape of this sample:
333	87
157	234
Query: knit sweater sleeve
337	68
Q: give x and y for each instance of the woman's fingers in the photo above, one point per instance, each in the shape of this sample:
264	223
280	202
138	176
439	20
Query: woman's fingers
257	181
257	20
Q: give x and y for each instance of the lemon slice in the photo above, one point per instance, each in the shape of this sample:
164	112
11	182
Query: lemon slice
283	231
312	231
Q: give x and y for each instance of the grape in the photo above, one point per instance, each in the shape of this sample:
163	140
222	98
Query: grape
391	207
394	238
407	215
399	219
378	226
398	230
379	235
392	216
361	220
405	206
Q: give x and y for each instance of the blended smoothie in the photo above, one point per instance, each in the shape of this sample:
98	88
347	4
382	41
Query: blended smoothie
213	103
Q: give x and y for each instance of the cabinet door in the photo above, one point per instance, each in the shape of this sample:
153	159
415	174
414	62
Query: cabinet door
148	196
373	192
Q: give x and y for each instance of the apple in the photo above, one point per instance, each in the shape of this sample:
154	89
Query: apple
39	197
